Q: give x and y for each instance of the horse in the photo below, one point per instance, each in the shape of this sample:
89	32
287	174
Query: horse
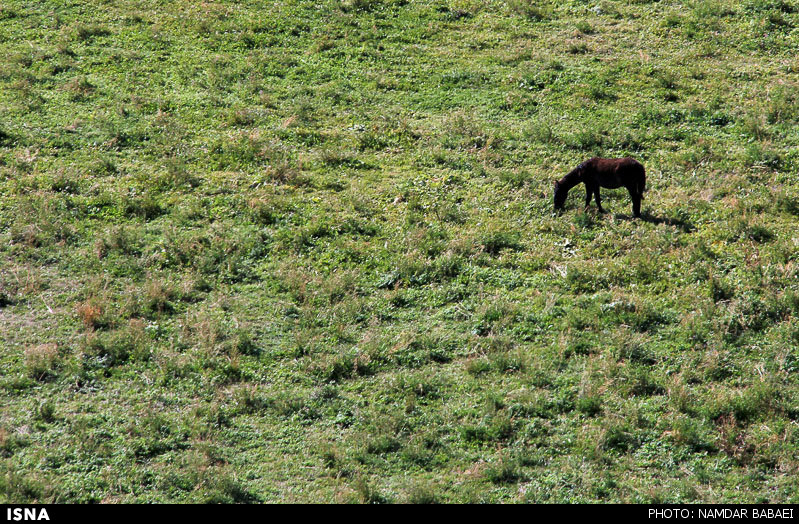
604	172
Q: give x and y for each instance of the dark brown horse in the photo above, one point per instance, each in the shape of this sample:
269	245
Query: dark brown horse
604	172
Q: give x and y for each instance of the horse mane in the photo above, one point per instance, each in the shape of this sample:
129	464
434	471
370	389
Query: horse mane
573	177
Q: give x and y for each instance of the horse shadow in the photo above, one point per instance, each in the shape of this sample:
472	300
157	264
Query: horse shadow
646	216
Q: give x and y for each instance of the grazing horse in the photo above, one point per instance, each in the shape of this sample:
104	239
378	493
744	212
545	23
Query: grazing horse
604	172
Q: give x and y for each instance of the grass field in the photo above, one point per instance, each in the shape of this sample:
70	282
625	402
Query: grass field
301	251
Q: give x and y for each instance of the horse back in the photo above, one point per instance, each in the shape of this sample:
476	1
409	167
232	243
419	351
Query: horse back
616	172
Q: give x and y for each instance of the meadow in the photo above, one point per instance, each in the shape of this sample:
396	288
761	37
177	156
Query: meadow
295	251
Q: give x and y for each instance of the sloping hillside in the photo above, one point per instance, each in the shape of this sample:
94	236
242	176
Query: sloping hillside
305	252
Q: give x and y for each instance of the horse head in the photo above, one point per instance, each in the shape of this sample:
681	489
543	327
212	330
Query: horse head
560	196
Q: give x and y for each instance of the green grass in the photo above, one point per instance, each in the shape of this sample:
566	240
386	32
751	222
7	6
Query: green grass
305	252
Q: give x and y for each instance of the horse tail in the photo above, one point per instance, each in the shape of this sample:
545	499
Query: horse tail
642	182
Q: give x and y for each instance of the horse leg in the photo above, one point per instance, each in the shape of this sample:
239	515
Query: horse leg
598	200
636	198
588	191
